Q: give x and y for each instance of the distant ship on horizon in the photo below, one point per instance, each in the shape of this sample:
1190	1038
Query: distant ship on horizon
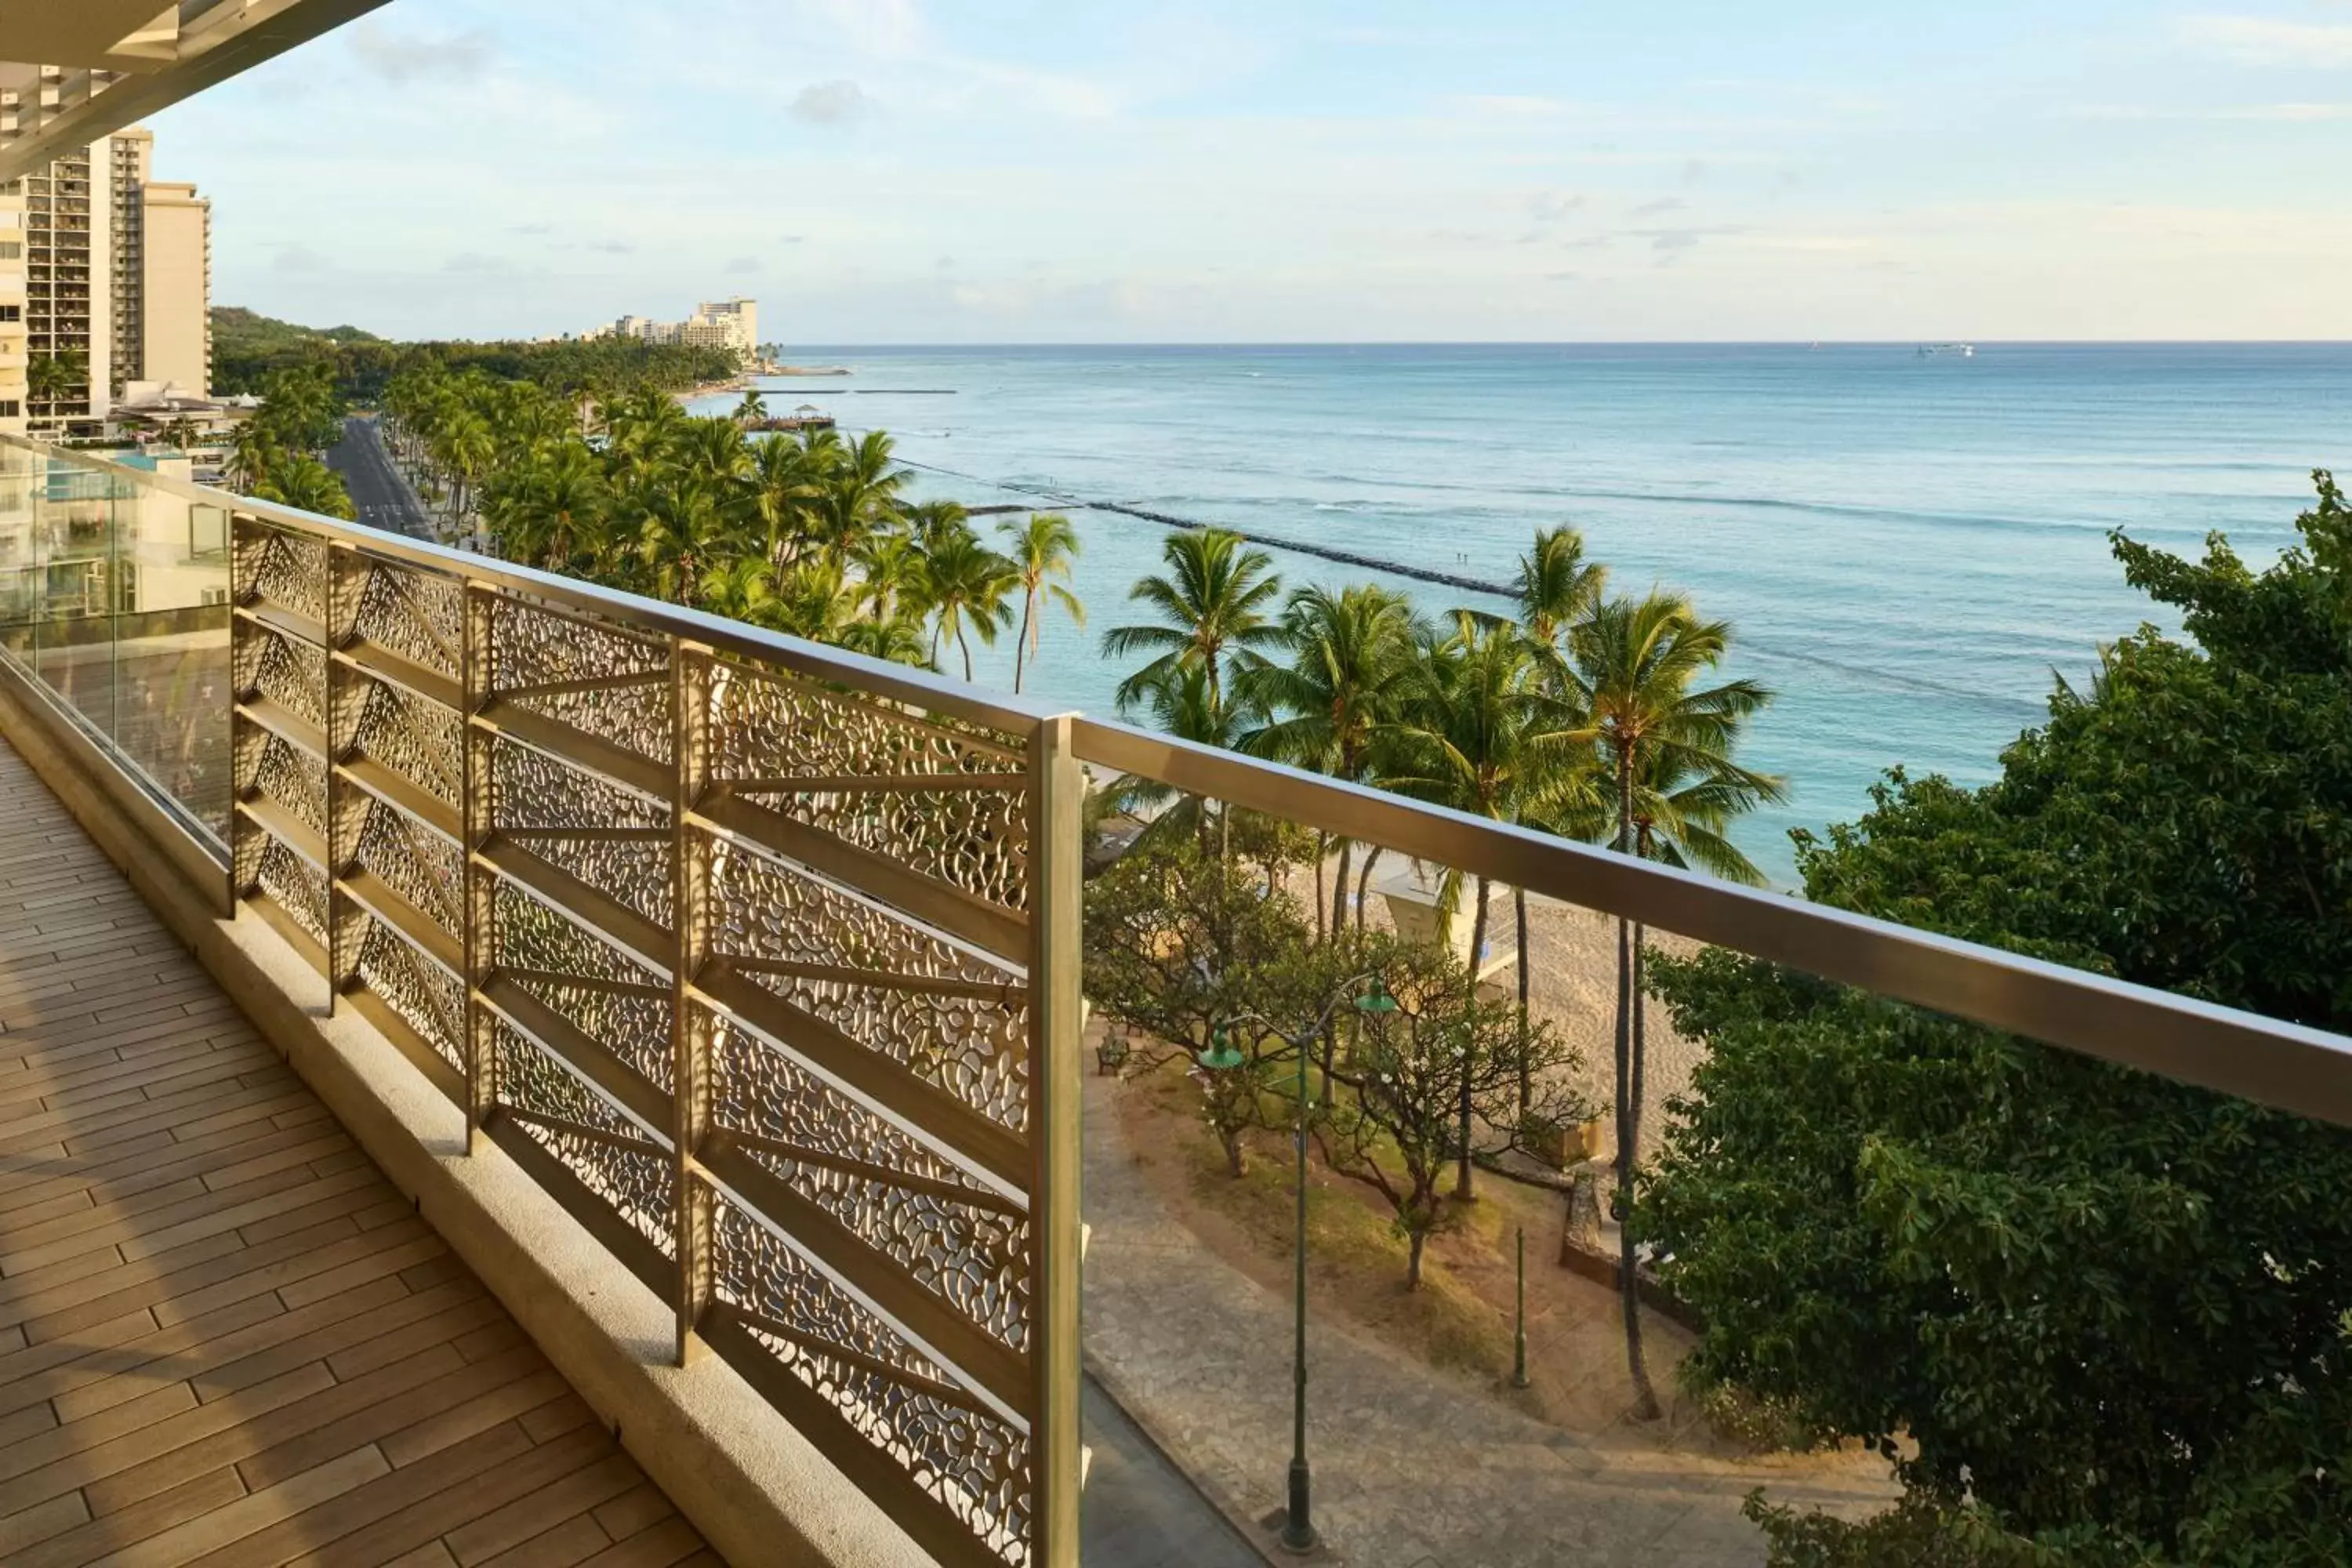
1930	351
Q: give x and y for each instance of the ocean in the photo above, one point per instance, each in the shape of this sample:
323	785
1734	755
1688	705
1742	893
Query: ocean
1908	547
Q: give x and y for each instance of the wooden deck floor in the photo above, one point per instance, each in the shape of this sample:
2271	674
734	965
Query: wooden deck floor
224	1337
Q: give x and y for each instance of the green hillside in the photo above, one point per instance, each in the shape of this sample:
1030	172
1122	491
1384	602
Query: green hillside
247	345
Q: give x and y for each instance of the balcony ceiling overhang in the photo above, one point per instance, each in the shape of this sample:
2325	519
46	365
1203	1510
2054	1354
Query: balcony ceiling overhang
74	70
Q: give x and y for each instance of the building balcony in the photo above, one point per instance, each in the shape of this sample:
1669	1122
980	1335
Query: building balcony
710	999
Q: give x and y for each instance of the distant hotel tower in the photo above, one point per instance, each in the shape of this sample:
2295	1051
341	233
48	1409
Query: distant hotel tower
103	266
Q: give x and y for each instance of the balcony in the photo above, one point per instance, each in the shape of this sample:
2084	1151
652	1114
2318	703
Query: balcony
713	998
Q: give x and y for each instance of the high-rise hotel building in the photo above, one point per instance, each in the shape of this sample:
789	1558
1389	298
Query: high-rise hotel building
108	272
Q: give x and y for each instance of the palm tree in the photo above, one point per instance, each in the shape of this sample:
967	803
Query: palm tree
1338	687
742	587
969	588
1042	550
934	525
752	409
814	601
1557	589
1211	602
714	450
891	567
543	519
250	456
1484	733
644	429
860	495
51	379
787	477
680	526
1635	665
1554	588
898	639
307	485
1180	703
467	449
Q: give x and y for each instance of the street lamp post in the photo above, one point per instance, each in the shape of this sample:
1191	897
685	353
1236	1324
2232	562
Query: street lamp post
1297	1525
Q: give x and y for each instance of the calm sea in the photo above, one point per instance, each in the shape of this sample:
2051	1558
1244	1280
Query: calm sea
1908	546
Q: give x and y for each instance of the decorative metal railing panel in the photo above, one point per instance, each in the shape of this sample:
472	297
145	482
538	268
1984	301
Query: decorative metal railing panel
762	959
736	961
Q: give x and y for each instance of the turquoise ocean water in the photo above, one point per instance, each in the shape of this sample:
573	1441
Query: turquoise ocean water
1908	546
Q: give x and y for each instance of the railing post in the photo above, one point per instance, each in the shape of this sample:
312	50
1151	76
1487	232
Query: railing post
240	832
341	835
477	664
690	695
1056	853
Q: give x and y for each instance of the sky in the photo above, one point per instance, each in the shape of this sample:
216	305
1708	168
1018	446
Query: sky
1231	170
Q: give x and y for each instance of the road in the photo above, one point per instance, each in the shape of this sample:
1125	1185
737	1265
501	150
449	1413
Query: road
1139	1510
381	496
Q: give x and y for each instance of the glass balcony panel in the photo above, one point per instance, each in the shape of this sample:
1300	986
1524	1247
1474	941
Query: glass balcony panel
172	674
73	512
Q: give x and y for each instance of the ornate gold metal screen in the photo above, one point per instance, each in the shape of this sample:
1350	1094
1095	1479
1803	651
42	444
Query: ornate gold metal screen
761	962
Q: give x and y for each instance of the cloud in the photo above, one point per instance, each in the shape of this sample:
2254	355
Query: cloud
1694	171
2268	40
1653	209
831	103
300	258
1677	239
887	27
462	56
2286	113
1513	106
533	229
474	261
743	266
1550	206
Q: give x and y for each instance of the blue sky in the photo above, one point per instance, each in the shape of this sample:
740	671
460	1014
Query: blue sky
943	171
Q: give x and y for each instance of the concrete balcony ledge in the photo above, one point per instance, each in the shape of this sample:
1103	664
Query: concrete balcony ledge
755	1489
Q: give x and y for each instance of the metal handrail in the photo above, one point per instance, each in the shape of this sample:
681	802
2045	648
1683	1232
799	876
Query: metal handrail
2289	1066
819	661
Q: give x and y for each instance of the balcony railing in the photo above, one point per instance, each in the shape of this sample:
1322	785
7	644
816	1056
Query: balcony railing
759	959
762	957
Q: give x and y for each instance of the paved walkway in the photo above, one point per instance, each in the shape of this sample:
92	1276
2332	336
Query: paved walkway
1413	1468
225	1338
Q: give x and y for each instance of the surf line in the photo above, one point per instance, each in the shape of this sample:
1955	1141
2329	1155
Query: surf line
1277	542
1767	649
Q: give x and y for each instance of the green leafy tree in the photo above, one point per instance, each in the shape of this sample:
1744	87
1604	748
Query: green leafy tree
1392	1123
2109	1310
1183	945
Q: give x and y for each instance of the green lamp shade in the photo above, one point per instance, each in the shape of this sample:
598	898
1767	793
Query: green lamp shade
1375	1000
1222	1055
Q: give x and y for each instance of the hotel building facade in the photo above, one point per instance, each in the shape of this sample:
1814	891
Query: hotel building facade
105	267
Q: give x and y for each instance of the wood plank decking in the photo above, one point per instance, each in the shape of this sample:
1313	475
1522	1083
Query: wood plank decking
225	1338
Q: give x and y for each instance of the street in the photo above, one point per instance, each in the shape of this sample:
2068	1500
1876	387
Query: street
379	494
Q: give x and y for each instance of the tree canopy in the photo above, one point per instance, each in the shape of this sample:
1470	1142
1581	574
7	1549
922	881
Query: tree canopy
2112	1312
